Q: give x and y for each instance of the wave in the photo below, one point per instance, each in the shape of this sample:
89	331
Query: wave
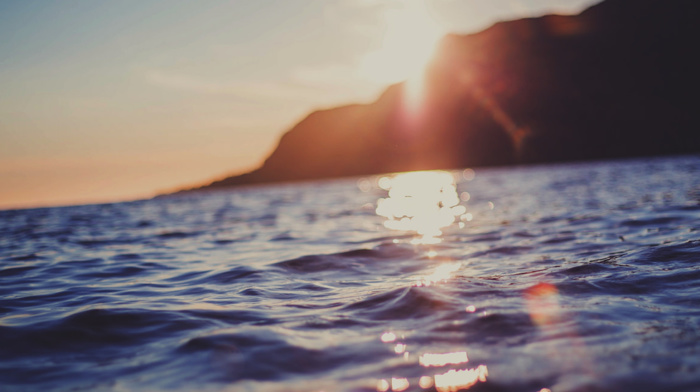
552	278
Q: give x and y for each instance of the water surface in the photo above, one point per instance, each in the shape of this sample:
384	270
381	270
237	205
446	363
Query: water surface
582	277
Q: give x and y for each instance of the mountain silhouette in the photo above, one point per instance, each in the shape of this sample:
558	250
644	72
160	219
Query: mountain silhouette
617	80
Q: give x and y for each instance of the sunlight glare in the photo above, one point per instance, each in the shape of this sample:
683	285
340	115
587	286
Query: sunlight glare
408	44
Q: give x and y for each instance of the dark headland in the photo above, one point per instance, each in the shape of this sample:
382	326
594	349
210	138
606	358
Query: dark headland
618	80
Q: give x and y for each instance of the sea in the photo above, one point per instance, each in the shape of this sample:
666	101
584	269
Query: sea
562	278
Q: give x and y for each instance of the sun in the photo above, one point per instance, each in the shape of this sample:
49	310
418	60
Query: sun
408	44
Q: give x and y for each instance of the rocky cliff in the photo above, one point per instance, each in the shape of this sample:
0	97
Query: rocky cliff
617	80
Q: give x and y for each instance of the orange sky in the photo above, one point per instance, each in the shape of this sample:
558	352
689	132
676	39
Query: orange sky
111	101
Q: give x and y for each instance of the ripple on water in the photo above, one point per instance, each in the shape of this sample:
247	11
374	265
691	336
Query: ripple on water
574	278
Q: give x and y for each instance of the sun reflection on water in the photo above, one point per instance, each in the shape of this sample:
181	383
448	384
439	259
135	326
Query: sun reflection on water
448	379
399	384
456	380
382	386
388	337
441	274
429	359
424	202
425	382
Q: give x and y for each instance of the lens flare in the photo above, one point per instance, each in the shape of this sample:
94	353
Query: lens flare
543	304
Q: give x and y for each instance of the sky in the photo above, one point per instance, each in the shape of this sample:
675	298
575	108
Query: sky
105	101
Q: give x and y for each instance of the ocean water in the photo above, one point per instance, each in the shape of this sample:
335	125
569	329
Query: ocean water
579	277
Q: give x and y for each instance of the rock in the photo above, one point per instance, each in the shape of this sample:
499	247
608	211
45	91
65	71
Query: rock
617	80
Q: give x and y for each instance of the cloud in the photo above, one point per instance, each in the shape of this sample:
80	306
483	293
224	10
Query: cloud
247	90
199	85
324	85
